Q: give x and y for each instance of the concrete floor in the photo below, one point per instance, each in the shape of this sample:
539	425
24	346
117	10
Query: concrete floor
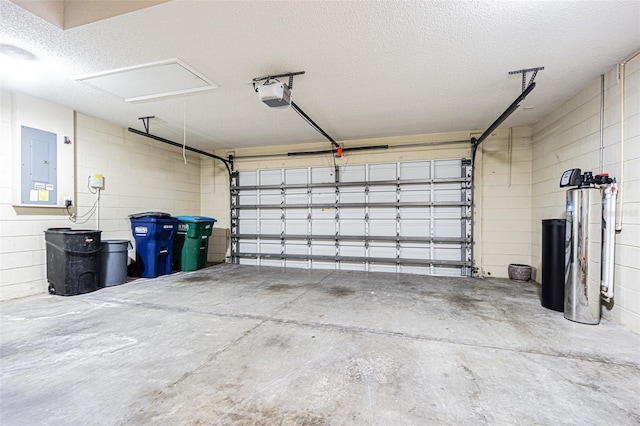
245	345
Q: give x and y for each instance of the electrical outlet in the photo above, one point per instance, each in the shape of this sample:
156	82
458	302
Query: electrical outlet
68	202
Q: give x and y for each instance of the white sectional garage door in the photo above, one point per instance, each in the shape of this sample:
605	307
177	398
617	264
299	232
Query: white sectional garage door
411	217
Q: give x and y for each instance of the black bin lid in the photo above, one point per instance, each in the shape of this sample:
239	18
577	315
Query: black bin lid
145	214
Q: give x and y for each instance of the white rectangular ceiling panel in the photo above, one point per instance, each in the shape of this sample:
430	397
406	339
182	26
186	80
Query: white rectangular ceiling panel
150	81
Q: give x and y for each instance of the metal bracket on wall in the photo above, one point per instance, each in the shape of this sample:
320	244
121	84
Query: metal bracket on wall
273	77
524	75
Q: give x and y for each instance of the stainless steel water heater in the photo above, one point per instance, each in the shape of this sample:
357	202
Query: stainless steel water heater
589	244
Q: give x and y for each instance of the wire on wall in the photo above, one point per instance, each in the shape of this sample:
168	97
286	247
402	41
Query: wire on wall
95	208
184	131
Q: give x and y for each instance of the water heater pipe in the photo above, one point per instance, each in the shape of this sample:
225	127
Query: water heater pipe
607	254
621	184
601	123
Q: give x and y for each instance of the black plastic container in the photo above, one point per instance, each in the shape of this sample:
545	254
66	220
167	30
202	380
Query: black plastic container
73	260
553	245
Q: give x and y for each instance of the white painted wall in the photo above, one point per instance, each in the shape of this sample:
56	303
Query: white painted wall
503	196
570	138
140	175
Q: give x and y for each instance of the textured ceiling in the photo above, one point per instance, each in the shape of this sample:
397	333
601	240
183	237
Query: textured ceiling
373	69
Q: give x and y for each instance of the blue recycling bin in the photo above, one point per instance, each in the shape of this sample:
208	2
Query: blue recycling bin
153	233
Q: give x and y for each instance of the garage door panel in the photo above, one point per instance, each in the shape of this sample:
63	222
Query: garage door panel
413	269
415	170
323	227
296	176
295	214
248	226
387	217
355	194
274	247
270	177
352	213
385	171
447	213
415	251
322	175
447	228
352	249
354	227
383	194
323	196
248	198
296	248
270	226
323	213
422	213
354	173
248	178
296	226
447	271
385	250
414	228
448	252
248	246
270	214
382	227
383	213
269	197
247	214
415	193
298	196
447	169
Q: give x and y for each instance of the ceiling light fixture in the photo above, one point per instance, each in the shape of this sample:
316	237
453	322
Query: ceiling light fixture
150	81
17	63
16	52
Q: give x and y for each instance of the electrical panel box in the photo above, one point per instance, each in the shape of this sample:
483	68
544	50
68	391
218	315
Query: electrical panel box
43	155
39	183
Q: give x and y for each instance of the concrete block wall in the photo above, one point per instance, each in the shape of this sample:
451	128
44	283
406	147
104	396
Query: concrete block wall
504	206
140	175
503	195
569	138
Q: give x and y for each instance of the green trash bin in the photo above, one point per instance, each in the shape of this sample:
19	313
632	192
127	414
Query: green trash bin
191	243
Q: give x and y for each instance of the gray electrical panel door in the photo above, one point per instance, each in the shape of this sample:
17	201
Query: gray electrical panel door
38	167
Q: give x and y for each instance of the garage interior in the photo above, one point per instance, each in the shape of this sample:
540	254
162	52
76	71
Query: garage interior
358	267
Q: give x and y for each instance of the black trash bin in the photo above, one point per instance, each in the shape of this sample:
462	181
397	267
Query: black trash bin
553	245
73	260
